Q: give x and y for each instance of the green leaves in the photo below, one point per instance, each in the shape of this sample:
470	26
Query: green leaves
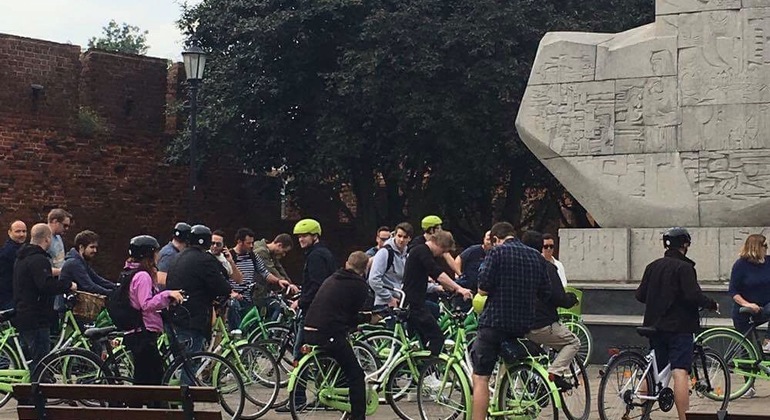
121	38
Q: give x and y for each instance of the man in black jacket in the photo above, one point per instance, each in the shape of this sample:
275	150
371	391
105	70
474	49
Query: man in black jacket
34	288
17	234
199	274
546	329
334	312
672	299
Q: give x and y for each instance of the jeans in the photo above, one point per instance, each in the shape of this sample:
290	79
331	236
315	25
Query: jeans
741	321
38	344
193	340
423	323
340	350
234	316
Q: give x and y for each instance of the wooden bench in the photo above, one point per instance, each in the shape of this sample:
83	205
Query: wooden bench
116	399
724	415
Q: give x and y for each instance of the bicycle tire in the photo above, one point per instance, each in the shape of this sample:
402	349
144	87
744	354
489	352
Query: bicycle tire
72	365
632	366
285	360
731	345
586	339
710	382
217	373
261	377
576	402
438	400
8	360
401	386
526	393
315	378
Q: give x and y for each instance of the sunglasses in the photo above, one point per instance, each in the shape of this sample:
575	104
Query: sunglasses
217	243
548	246
384	239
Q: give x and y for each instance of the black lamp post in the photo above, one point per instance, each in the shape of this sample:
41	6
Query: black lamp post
194	63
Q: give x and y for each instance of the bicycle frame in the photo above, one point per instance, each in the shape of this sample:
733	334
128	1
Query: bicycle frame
9	377
757	367
661	379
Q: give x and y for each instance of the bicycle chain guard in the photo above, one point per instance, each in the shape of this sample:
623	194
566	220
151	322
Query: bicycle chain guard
666	399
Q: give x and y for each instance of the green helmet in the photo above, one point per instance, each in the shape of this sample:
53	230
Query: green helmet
307	226
478	303
430	221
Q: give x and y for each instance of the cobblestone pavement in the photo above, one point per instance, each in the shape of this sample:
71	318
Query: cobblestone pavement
756	405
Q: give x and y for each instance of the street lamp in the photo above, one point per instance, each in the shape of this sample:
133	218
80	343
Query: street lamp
194	63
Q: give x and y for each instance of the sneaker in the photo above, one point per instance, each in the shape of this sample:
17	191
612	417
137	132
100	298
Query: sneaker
766	347
560	382
750	393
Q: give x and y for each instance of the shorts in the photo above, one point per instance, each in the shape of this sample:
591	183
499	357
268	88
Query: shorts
486	349
674	348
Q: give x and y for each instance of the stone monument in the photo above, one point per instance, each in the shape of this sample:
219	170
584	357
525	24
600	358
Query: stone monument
663	125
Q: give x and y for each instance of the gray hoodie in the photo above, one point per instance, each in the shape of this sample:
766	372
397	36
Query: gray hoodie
393	277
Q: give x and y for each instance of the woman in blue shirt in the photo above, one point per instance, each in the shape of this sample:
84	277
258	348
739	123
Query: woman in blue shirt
750	284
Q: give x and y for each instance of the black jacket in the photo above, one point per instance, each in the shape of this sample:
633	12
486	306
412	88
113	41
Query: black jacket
335	308
671	293
34	288
7	258
199	274
319	264
546	311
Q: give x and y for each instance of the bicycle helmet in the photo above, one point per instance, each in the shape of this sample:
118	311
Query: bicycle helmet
142	246
478	303
200	235
431	221
307	226
182	231
676	237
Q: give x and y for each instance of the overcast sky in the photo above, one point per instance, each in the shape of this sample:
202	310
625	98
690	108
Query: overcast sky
75	21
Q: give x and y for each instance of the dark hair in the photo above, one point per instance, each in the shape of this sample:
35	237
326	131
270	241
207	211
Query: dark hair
533	239
383	229
219	232
58	215
549	236
284	239
242	233
501	230
406	227
85	238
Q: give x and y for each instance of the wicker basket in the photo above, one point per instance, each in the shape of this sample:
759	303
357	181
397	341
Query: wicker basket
88	305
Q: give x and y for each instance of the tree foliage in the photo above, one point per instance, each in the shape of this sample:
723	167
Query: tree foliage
121	38
408	103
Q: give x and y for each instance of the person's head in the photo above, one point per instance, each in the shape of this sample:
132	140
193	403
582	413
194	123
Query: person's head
403	234
143	249
357	262
533	239
383	234
441	242
244	240
59	221
549	243
754	249
677	238
500	231
87	244
181	234
308	232
17	232
486	243
200	237
217	242
40	235
281	245
431	224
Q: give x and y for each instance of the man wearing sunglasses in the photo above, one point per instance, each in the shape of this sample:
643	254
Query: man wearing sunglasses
59	221
549	243
383	234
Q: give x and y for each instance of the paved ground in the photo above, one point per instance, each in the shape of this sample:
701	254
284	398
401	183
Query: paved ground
757	405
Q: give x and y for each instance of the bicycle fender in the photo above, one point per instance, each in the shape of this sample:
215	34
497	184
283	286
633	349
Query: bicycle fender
724	330
302	362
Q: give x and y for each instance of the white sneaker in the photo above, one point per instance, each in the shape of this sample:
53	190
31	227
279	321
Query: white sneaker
750	393
766	347
431	382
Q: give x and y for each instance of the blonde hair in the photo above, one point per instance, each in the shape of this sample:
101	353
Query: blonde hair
357	261
444	239
754	249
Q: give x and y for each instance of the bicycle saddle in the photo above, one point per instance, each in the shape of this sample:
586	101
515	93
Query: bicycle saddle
7	314
743	310
97	333
646	331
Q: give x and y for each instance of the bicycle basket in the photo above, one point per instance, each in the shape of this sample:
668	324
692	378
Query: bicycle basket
88	305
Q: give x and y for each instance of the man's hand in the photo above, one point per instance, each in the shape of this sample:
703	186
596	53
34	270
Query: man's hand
73	286
290	288
227	255
465	293
393	302
375	318
235	295
177	296
753	306
294	305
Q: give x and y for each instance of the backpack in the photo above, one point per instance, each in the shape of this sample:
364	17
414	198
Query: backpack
124	316
391	257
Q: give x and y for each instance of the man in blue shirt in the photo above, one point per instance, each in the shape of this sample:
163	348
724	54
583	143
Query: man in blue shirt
76	266
59	221
17	234
469	261
169	251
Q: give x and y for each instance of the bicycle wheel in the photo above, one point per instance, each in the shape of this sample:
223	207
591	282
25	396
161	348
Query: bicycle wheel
525	393
72	366
383	342
576	402
209	369
441	391
284	358
617	388
734	349
319	380
401	387
8	360
261	378
123	359
710	380
586	340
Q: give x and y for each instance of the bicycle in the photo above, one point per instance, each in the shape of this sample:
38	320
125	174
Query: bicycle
14	367
572	318
746	360
632	383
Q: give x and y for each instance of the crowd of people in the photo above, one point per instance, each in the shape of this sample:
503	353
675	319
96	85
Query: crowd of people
522	282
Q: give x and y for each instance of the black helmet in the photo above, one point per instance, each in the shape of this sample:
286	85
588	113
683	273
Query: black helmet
142	246
676	237
182	231
200	236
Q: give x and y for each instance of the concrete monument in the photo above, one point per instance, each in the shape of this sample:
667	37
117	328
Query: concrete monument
662	125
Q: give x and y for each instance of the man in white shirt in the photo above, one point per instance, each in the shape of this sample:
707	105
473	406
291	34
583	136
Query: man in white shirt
549	243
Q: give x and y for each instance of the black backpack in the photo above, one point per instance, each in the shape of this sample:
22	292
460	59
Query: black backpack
124	316
391	257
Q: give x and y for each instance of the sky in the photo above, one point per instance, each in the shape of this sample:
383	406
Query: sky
76	21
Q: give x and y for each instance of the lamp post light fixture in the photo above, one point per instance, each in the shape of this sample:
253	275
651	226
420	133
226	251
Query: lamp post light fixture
194	63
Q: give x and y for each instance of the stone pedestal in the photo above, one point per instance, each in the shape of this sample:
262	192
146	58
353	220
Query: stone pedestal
621	254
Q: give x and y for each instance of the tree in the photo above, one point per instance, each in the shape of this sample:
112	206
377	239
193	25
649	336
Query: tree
121	38
409	104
